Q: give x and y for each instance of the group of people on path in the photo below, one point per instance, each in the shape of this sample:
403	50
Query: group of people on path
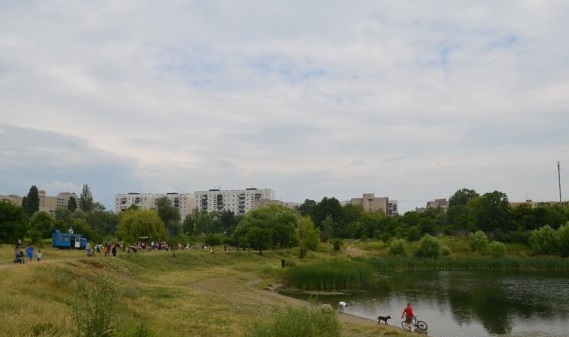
19	255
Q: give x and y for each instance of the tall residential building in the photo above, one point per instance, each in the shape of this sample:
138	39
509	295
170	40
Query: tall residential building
237	201
183	201
63	199
372	204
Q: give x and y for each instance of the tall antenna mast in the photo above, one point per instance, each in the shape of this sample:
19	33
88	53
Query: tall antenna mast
559	178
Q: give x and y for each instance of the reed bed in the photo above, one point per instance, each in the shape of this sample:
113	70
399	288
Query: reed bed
330	275
470	263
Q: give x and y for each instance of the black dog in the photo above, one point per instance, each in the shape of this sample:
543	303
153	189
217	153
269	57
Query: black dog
383	318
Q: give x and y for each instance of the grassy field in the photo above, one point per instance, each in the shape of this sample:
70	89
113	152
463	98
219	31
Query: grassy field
191	293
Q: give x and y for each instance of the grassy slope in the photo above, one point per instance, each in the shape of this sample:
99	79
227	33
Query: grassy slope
195	293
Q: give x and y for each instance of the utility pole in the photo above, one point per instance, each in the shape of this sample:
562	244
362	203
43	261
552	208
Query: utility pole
559	178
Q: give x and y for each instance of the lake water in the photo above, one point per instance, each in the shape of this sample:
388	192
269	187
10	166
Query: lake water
469	303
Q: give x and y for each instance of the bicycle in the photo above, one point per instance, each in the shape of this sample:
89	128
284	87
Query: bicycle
419	325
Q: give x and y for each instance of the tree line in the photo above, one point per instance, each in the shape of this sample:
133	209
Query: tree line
280	227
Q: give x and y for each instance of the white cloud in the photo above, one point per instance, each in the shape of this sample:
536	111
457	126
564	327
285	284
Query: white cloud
412	100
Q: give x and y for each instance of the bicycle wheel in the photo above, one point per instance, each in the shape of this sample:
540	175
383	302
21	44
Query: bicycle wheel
404	325
421	325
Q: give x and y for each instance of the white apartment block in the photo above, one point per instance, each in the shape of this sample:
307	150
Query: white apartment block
237	201
183	201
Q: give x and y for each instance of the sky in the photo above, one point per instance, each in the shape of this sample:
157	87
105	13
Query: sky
410	100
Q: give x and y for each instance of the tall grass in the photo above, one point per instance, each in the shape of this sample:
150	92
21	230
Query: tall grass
470	263
329	275
310	321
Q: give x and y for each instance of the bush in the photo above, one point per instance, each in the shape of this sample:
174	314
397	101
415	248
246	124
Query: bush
497	249
398	247
309	321
445	250
478	242
563	234
429	247
337	243
544	241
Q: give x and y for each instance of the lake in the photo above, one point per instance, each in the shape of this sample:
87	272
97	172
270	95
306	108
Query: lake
469	303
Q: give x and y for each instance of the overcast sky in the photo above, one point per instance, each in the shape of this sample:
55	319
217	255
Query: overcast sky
412	100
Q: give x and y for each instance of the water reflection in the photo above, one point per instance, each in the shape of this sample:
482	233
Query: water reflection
466	303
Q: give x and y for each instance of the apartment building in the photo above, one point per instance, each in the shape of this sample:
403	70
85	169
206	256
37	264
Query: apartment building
370	203
237	201
46	203
441	204
183	201
63	199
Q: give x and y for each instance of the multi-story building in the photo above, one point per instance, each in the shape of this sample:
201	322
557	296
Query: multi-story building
46	203
237	201
441	204
372	204
183	201
63	199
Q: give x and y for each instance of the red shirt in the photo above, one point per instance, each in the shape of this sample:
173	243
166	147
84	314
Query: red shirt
408	311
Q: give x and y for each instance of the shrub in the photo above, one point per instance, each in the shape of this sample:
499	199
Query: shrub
544	241
478	242
429	247
497	249
445	250
398	247
563	234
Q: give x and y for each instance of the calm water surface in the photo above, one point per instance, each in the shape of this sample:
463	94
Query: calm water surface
469	303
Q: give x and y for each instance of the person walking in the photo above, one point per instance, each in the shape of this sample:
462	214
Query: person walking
39	255
30	253
408	313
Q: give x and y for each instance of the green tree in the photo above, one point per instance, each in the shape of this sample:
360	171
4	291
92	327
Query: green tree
332	207
13	222
42	225
134	224
478	242
398	247
201	222
327	229
461	197
460	214
31	203
307	208
214	239
497	249
267	227
429	246
86	199
544	241
170	215
492	213
563	235
308	236
72	204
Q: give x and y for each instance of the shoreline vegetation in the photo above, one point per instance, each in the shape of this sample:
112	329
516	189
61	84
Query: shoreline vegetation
198	293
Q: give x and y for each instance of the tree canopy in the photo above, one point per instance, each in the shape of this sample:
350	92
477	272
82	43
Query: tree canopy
134	224
268	227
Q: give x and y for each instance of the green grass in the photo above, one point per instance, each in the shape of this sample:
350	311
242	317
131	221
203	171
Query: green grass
336	274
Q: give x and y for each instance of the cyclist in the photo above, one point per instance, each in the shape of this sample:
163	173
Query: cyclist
408	313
